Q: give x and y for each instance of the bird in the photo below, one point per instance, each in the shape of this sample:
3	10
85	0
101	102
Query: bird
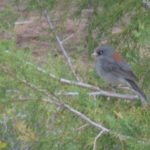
112	68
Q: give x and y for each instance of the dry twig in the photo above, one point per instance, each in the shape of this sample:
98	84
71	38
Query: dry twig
96	138
60	43
81	127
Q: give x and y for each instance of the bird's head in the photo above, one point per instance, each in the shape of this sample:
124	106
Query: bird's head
103	50
106	51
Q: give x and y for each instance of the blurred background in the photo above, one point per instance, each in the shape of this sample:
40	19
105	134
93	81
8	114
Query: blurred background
27	42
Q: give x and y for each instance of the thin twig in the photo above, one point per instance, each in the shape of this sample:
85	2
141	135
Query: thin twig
81	127
24	22
85	118
60	43
66	81
96	138
66	39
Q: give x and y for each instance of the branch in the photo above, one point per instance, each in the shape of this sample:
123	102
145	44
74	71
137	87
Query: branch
81	127
53	100
67	38
60	43
102	93
85	118
66	81
96	138
23	22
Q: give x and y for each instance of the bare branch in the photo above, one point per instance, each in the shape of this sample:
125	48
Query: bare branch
66	81
85	118
96	138
52	99
24	22
67	38
102	93
81	127
60	43
125	88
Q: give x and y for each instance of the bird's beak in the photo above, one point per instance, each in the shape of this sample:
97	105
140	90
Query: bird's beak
94	54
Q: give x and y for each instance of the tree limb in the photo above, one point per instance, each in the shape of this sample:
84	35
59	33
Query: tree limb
102	93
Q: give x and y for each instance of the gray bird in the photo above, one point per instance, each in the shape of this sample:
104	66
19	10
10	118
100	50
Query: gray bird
113	69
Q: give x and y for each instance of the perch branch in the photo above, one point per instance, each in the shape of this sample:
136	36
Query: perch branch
85	85
102	93
60	43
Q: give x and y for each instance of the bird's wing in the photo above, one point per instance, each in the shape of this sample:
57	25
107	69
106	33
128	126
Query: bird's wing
119	69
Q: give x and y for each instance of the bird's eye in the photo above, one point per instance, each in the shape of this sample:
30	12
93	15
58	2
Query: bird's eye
100	52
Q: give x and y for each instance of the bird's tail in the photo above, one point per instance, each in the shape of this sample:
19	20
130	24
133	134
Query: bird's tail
138	92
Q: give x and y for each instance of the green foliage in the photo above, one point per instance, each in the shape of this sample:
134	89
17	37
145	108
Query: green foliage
27	122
